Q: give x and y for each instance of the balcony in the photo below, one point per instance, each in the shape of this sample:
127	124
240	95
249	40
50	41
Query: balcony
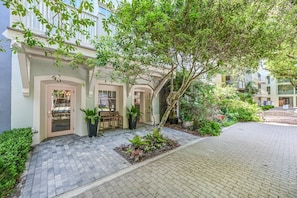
39	29
262	93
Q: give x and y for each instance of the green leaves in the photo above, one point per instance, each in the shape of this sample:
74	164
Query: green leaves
199	37
91	114
14	148
62	23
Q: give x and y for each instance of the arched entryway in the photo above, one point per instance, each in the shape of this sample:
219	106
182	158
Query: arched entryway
142	99
56	107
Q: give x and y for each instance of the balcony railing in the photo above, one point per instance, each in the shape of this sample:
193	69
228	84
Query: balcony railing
31	21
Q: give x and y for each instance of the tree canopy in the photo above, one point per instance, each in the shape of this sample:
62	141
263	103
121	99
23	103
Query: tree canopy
196	38
284	65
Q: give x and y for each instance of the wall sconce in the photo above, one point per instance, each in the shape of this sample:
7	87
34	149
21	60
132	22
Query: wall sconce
57	78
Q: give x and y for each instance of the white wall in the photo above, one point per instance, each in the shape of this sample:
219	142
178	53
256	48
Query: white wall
21	107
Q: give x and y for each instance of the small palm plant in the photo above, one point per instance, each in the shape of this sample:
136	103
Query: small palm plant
91	114
133	112
133	115
92	119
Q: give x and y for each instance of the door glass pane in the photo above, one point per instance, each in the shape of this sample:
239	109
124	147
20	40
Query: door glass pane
60	110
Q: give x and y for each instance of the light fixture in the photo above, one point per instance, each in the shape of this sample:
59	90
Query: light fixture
57	78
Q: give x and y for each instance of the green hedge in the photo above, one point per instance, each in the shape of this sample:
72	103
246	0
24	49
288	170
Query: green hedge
14	148
208	127
267	107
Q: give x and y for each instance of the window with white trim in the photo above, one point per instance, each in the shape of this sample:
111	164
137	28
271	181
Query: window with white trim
107	100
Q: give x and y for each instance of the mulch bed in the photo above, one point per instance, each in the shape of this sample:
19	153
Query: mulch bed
178	127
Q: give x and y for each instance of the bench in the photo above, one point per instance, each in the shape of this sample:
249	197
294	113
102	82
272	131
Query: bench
113	120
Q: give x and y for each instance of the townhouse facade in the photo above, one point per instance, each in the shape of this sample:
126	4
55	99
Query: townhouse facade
49	100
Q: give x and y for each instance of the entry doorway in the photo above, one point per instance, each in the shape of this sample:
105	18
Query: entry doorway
285	101
142	101
60	110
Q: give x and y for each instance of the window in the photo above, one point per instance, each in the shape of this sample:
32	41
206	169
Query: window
259	76
104	12
285	101
76	3
107	100
283	80
268	79
268	90
285	89
228	80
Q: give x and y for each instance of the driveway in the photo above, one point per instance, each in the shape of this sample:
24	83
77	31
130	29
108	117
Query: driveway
247	160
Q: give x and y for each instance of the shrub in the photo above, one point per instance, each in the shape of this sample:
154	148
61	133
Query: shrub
240	111
14	148
228	123
137	141
141	145
267	107
208	127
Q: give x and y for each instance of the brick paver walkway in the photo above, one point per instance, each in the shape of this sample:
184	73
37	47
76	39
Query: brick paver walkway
247	160
64	163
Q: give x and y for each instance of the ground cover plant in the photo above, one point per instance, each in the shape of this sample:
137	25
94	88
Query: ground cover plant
144	147
14	148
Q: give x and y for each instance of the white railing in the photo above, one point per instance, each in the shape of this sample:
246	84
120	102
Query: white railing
32	22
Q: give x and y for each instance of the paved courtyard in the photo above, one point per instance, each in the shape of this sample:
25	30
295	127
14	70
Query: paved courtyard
64	163
247	160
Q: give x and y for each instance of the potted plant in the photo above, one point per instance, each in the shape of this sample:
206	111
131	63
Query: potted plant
133	115
92	119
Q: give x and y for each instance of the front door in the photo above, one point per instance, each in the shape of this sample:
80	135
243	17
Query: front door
60	109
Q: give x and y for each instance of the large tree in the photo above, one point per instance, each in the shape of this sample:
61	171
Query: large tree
196	38
283	64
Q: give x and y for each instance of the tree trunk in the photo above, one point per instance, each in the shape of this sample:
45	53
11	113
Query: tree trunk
166	114
173	98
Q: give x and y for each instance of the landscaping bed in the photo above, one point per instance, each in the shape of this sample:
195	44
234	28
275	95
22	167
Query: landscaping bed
145	147
178	127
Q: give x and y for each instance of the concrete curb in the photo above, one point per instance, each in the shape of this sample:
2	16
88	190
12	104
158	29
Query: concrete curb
108	178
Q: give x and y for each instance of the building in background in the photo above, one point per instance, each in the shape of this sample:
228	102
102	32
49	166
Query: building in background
270	91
